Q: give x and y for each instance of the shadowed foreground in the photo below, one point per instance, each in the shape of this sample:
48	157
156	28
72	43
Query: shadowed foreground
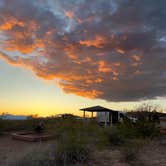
76	142
151	153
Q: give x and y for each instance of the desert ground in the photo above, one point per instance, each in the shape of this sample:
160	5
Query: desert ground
10	148
151	154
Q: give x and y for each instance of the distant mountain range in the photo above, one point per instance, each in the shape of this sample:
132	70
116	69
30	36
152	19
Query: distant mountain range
13	117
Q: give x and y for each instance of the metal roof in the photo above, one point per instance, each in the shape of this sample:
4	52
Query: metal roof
97	109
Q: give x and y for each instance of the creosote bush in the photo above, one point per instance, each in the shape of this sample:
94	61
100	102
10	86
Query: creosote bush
72	150
0	126
73	140
130	153
131	149
146	129
65	152
119	134
89	130
115	138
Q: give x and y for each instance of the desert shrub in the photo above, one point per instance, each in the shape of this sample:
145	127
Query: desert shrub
148	119
1	127
88	130
71	150
73	140
119	133
114	136
143	128
127	128
67	151
146	128
29	124
130	153
11	125
131	149
101	141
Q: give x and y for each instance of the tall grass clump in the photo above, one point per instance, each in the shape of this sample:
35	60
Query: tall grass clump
121	133
130	153
118	134
71	150
16	125
131	149
89	130
143	128
147	125
127	128
114	136
1	127
75	140
146	129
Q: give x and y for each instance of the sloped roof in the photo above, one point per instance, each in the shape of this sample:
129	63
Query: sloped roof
97	108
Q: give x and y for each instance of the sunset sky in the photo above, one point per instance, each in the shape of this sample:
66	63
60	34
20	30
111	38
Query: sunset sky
57	56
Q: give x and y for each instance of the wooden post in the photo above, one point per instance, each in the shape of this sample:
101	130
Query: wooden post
84	114
110	118
92	115
105	119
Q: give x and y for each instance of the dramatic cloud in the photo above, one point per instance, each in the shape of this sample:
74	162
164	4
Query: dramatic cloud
110	49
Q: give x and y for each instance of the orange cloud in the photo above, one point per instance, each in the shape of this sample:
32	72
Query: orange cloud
136	58
18	62
16	45
86	54
70	51
121	51
89	94
104	67
69	14
98	41
80	92
10	23
23	38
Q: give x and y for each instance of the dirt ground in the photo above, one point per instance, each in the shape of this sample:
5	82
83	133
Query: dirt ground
152	154
10	148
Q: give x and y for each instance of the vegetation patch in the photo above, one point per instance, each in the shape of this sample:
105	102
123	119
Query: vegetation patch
71	151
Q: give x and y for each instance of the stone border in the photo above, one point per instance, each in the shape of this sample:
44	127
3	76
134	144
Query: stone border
28	136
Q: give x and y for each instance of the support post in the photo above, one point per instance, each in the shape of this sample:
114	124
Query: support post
110	118
84	114
105	119
92	115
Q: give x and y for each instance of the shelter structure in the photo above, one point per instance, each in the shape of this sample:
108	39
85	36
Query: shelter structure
104	115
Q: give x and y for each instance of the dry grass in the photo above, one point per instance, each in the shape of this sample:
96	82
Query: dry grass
83	143
12	149
151	153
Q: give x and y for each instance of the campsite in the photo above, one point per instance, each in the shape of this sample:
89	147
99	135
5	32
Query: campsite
82	82
83	141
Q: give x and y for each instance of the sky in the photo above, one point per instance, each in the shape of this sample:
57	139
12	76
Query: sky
57	56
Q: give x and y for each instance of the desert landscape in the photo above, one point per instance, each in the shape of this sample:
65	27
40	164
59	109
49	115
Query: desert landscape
80	142
82	82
